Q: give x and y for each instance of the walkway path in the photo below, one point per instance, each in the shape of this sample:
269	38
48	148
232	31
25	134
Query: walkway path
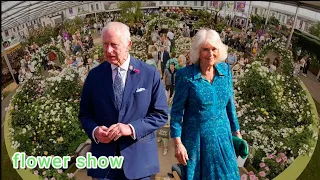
312	85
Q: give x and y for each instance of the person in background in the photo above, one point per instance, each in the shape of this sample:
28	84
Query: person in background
306	67
181	62
296	68
16	75
273	66
151	61
169	79
232	59
173	59
188	60
318	76
163	57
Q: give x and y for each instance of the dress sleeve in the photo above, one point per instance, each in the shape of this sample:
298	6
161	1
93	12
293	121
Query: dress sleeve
179	100
231	109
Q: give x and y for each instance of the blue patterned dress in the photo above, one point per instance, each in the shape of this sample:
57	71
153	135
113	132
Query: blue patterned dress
204	116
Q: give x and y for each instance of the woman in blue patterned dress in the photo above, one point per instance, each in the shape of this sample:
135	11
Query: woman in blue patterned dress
203	114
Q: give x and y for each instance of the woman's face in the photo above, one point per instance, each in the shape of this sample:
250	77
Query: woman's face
180	62
208	55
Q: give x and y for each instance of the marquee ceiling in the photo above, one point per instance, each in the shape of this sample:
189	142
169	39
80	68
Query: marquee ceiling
14	13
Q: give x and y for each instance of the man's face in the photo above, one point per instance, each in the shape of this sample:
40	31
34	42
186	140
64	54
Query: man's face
171	67
114	49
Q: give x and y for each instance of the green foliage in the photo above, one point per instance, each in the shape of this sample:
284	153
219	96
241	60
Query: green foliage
130	11
309	44
43	35
64	87
174	16
22	102
220	26
279	47
97	50
73	25
284	28
273	21
60	54
258	21
204	14
235	29
315	29
205	20
172	24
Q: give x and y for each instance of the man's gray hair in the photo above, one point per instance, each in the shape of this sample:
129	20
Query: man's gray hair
122	29
210	36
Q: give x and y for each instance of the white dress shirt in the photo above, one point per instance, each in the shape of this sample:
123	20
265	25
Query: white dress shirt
124	69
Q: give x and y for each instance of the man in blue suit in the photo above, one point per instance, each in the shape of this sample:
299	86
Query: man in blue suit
123	103
163	57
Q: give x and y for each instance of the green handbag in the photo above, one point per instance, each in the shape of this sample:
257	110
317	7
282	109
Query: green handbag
240	147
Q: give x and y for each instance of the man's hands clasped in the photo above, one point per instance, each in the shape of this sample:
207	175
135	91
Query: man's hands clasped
114	132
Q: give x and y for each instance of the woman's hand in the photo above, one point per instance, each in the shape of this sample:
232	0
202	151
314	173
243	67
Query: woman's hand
238	134
181	153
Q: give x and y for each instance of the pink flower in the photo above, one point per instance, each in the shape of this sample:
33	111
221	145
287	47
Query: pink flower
46	179
282	155
270	156
244	177
250	173
53	178
278	160
252	177
267	168
136	71
262	174
262	164
36	172
59	171
70	175
285	159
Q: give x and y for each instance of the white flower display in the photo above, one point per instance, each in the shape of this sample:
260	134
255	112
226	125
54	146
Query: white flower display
139	47
273	112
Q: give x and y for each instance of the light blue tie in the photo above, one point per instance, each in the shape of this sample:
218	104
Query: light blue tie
118	88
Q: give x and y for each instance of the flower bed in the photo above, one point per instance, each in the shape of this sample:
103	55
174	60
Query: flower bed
278	46
96	50
45	119
170	23
276	119
182	44
139	47
58	49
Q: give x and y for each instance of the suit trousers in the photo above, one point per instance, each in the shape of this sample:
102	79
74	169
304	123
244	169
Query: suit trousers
118	174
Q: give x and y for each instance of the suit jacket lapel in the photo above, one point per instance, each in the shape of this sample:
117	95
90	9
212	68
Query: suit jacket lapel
131	82
108	75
